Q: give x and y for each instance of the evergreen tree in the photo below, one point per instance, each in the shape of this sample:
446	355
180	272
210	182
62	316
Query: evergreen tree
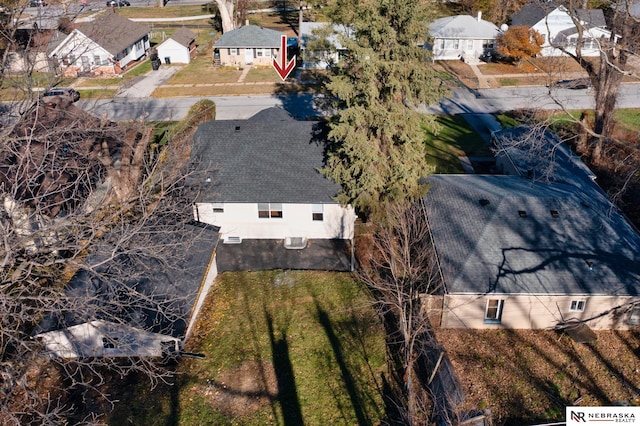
376	141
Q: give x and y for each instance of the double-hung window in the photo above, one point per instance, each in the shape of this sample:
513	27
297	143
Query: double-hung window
317	212
493	311
270	210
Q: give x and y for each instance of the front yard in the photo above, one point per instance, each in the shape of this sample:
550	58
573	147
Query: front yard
280	348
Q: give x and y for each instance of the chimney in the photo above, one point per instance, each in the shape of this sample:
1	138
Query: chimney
479	15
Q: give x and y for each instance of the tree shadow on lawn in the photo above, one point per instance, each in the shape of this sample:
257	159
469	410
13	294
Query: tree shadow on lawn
529	376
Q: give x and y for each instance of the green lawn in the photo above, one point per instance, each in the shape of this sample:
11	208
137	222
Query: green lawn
452	139
281	348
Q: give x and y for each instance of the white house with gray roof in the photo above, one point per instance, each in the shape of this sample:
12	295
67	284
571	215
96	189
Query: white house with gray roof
556	25
106	45
248	45
462	37
521	253
259	179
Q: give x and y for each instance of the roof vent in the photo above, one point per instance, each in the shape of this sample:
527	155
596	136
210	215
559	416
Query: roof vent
237	128
522	213
484	202
554	214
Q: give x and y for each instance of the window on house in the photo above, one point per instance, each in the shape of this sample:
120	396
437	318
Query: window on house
259	53
456	44
218	207
232	51
493	311
487	44
72	59
469	44
448	43
109	343
270	210
577	305
441	44
634	316
317	212
97	60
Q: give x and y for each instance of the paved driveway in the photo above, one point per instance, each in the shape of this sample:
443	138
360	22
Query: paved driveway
143	86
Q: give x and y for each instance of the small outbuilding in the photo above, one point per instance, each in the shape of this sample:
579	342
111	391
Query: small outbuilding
180	48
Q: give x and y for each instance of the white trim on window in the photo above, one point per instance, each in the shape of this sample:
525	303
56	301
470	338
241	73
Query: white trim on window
317	212
577	305
270	210
493	311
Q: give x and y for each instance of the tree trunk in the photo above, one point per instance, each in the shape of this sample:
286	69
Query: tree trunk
606	87
226	9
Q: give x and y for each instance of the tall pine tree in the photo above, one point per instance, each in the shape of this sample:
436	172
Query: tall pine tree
376	141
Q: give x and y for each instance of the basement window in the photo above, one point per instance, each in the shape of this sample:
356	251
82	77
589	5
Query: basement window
218	207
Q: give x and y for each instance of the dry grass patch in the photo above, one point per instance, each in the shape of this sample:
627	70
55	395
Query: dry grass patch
263	74
201	70
460	70
525	376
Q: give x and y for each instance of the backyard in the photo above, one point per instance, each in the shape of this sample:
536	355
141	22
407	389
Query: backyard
529	376
280	348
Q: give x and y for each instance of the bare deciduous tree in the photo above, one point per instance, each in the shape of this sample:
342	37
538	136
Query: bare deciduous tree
82	195
401	270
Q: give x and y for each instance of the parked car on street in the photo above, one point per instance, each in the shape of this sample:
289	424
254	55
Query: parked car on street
575	84
118	3
37	3
62	91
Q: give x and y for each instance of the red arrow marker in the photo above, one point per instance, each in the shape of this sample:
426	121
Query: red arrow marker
283	68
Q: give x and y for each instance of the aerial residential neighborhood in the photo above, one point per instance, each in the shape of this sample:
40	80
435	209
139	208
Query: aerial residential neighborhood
322	212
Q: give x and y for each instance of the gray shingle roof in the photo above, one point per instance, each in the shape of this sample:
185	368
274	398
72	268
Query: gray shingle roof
171	287
250	36
487	247
463	26
547	160
532	13
183	36
113	32
593	17
268	158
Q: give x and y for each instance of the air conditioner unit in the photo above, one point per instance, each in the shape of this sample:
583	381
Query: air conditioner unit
232	240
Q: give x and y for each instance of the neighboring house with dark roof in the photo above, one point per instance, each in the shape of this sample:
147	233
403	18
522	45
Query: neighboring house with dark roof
462	37
106	45
135	303
333	48
541	246
180	48
248	45
259	180
555	24
31	51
